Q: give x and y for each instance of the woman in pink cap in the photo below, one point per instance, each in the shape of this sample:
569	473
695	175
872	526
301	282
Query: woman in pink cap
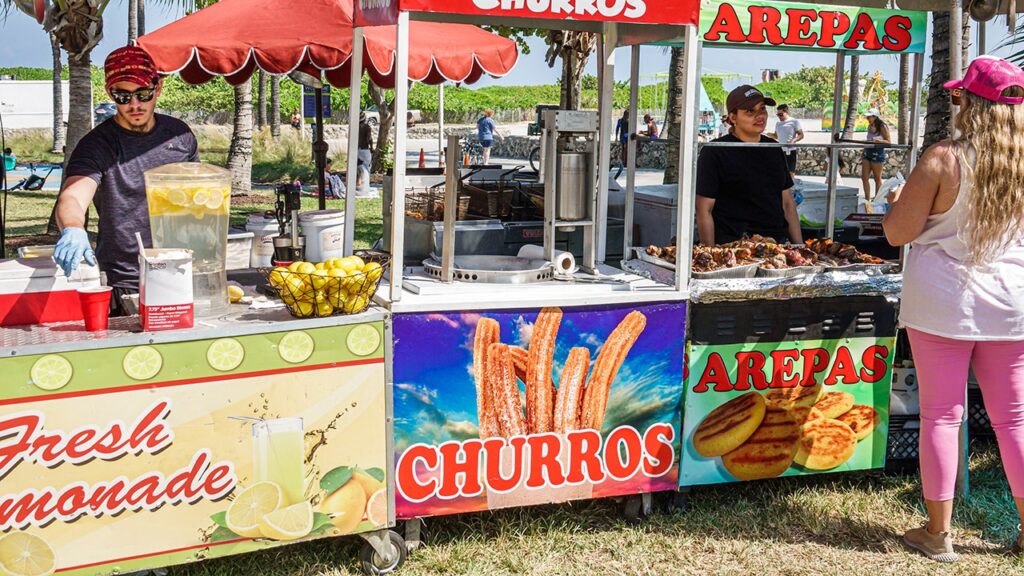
962	212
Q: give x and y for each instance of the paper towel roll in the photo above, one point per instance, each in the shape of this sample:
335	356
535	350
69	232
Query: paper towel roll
564	262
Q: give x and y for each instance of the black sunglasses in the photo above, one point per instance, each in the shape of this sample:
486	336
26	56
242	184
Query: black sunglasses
123	97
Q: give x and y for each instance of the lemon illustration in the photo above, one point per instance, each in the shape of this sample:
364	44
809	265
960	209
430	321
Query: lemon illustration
346	506
23	554
225	354
142	362
369	483
295	347
363	340
377	508
289	523
51	372
250	506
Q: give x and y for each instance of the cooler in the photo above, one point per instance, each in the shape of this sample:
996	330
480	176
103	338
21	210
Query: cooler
35	291
654	214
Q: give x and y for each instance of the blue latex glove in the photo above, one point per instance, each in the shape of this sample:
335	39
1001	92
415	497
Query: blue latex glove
72	247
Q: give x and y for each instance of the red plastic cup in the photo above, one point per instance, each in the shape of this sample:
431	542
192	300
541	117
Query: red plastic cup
95	307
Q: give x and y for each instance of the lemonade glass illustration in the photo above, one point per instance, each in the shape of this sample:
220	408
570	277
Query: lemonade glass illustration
277	456
189	204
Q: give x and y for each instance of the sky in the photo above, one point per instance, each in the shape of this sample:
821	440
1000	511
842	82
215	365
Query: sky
23	43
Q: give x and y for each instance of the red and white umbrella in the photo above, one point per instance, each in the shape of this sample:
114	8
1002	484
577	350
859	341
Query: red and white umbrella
233	37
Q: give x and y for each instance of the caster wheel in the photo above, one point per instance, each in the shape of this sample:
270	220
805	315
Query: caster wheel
372	562
633	510
679	502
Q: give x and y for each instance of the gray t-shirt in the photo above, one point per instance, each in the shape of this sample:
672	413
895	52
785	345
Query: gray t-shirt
116	159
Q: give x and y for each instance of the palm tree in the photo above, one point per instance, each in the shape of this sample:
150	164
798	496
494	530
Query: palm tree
904	103
938	108
850	125
240	152
275	106
574	48
58	97
386	109
133	19
676	82
261	99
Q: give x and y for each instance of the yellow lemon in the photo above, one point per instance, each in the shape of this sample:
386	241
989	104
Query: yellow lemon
200	196
373	271
320	266
345	506
277	277
319	278
355	303
235	293
349	265
24	554
294	266
294	286
289	523
250	505
305	268
302	309
367	482
337	298
324	308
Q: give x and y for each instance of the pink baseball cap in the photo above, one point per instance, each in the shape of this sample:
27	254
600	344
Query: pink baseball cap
987	77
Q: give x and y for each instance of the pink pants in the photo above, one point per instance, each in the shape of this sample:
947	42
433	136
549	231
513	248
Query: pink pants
942	365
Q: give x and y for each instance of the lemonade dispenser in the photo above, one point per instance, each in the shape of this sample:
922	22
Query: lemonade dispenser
189	204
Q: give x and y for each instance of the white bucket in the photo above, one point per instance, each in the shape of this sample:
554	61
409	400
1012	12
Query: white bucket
264	231
324	232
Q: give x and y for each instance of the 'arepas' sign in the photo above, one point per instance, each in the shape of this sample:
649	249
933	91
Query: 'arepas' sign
810	27
674	12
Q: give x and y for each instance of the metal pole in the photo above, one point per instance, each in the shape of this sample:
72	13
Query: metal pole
981	38
606	81
440	127
320	147
398	174
634	92
355	87
687	188
833	153
451	201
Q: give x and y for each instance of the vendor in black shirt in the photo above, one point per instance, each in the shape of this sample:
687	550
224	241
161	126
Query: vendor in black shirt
745	191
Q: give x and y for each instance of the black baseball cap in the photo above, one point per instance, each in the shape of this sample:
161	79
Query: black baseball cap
745	98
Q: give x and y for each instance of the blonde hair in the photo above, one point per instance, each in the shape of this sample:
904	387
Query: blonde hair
996	207
488	112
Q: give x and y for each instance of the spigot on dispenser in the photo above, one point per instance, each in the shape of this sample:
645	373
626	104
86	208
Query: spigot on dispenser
288	245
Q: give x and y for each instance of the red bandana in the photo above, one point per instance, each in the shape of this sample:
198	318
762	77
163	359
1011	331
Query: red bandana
130	64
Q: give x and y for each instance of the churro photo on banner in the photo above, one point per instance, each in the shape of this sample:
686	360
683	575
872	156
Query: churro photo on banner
519	407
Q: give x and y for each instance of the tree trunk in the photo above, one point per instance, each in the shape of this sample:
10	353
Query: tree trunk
261	100
275	106
574	49
240	153
937	119
79	100
133	20
59	130
140	17
850	124
387	121
904	103
674	114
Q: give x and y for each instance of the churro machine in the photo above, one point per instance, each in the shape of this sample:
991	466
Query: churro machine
568	171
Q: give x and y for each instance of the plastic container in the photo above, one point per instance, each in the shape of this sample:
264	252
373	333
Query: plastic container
264	231
815	197
189	204
239	250
325	234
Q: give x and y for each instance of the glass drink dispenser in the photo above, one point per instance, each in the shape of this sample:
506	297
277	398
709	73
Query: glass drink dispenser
189	204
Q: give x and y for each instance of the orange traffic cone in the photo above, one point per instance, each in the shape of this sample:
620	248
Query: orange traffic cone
423	159
465	159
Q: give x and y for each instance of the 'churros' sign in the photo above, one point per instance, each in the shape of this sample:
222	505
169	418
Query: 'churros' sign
529	407
675	12
809	27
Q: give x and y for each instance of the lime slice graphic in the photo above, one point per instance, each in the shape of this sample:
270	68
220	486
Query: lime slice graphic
142	362
363	340
295	347
225	354
51	372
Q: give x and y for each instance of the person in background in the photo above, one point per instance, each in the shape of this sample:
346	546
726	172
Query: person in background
652	127
365	153
962	212
742	191
622	134
106	169
724	127
873	160
788	131
334	187
296	120
485	129
9	158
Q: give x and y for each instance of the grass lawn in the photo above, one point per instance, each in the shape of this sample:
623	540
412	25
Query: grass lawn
28	212
838	525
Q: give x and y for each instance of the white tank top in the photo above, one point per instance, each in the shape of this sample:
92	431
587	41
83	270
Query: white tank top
946	296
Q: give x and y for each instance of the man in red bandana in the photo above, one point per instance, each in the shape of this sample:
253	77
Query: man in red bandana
107	166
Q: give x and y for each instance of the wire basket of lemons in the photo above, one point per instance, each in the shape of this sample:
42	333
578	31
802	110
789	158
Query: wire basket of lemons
334	286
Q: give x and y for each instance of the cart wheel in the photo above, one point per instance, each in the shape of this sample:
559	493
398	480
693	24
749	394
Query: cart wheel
633	509
373	564
415	533
679	502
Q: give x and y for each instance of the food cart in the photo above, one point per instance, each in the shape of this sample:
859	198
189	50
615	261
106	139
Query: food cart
598	350
789	372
